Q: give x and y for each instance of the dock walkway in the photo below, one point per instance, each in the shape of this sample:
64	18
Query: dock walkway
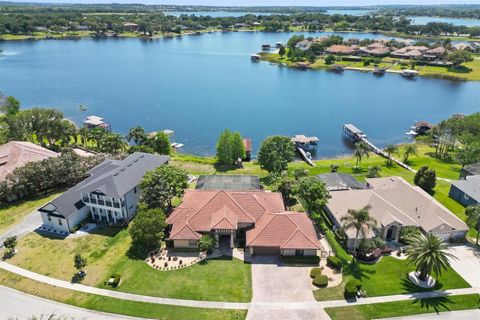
354	134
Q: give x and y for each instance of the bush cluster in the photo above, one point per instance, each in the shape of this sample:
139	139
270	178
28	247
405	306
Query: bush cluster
315	272
351	288
320	280
334	262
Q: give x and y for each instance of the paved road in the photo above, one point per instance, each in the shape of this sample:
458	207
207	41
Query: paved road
29	224
18	305
452	315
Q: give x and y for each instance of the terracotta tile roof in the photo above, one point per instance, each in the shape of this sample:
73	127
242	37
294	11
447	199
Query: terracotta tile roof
203	209
286	230
340	48
15	154
184	232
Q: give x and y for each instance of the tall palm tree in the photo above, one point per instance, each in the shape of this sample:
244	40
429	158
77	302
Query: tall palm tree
429	255
113	143
410	149
390	149
473	220
361	150
97	134
137	134
361	221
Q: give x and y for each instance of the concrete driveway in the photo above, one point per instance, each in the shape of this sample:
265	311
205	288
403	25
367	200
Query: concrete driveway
467	264
28	224
272	281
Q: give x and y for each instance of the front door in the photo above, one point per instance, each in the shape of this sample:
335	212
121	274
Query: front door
299	253
391	233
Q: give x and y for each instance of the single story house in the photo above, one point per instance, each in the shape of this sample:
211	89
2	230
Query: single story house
410	52
375	49
228	182
131	26
463	46
255	219
395	204
341	49
109	194
470	170
340	181
304	45
466	191
16	154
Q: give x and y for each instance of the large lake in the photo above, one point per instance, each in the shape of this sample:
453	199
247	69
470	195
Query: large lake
199	85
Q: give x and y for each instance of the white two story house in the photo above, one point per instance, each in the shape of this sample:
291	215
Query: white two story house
110	194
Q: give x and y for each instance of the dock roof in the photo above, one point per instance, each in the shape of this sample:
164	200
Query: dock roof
352	128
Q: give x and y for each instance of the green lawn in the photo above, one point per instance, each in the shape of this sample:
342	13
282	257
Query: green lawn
387	277
106	253
405	308
13	213
112	305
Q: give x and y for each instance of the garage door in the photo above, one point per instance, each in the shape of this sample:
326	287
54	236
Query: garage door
266	251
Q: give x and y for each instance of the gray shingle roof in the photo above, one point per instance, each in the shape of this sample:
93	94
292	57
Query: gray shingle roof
111	177
473	168
470	186
340	181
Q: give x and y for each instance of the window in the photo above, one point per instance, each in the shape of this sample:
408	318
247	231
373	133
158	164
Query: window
60	222
135	190
192	243
49	219
466	196
299	253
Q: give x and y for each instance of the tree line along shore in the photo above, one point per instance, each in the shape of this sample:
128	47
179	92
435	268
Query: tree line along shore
55	21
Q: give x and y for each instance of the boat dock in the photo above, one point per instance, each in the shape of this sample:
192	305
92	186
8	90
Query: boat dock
354	135
304	145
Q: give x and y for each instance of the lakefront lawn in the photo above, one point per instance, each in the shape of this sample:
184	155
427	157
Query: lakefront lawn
107	253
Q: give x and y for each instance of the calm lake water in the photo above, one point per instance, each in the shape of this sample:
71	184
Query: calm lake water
199	85
454	21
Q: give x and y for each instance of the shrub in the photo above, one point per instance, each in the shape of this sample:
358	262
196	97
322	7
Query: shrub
334	262
315	272
320	280
351	288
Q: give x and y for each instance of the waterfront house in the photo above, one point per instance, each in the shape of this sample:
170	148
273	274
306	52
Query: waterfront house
375	49
340	49
435	53
255	219
470	170
335	181
304	45
395	204
466	191
109	194
16	154
131	26
410	52
463	46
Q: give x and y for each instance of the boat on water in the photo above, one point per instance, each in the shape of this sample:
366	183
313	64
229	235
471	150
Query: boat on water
337	68
278	44
379	71
82	108
255	57
410	74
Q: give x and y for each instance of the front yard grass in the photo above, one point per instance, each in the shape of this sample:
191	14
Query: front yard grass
405	308
387	277
106	252
13	213
113	305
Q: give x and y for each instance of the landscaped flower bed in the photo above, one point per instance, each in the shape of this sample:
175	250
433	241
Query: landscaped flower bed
166	260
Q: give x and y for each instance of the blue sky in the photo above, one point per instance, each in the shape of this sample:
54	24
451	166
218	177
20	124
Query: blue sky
267	2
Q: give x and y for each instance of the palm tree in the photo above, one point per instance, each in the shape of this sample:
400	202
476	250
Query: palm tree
361	221
390	149
409	150
97	134
113	143
361	150
428	253
473	220
137	134
207	243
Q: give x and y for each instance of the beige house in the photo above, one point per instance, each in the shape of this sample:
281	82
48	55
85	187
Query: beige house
395	204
